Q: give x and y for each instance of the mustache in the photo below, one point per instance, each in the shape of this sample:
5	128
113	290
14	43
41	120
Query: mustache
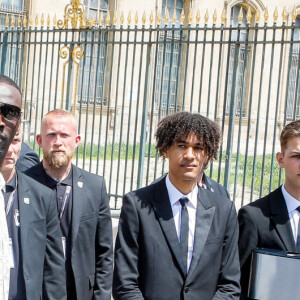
57	149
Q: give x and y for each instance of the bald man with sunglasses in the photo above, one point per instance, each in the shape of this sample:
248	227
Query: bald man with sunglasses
31	254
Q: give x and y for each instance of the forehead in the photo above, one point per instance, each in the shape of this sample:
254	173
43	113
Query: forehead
190	139
10	95
293	144
59	123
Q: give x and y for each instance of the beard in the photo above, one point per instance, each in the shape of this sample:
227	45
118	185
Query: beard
57	160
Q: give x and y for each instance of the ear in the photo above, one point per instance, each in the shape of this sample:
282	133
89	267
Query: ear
77	140
279	157
39	140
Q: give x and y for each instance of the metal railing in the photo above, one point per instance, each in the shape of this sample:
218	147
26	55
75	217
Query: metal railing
120	80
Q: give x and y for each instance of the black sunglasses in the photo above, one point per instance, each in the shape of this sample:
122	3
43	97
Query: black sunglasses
10	112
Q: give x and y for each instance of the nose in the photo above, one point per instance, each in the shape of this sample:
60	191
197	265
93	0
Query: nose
189	153
57	141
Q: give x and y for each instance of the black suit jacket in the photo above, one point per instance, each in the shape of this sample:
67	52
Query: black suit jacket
263	224
41	246
148	264
27	159
91	254
214	186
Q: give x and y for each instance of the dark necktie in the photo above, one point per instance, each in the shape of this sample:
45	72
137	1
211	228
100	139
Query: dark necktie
298	234
184	231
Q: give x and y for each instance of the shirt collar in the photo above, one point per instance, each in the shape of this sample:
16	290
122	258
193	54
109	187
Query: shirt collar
52	183
291	202
175	194
11	185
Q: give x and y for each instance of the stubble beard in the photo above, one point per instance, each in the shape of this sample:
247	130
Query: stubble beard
57	160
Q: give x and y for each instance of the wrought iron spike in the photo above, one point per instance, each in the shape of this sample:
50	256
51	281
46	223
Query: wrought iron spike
294	15
24	21
144	19
6	21
42	20
240	16
190	17
54	21
36	20
101	19
129	18
198	17
167	17
248	15
158	18
215	17
19	21
136	18
115	19
223	16
122	18
206	17
266	16
30	21
275	15
107	18
151	19
174	17
285	15
48	21
182	17
12	21
257	16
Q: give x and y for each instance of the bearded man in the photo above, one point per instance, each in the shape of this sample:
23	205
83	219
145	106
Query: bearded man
83	209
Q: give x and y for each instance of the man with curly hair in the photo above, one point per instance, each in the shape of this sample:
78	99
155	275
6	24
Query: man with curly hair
177	240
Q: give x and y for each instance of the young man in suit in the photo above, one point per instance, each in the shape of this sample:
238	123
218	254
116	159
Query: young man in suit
273	221
83	209
177	240
37	266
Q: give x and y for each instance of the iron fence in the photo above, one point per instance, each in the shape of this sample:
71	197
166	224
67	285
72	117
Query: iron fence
120	80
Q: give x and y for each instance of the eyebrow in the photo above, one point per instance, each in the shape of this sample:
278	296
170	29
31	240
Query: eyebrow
185	142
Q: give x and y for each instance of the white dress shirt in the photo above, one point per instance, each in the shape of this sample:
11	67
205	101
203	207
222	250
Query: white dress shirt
294	215
174	196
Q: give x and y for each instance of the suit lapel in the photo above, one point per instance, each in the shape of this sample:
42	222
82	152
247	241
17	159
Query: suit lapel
281	221
162	207
204	216
25	211
77	202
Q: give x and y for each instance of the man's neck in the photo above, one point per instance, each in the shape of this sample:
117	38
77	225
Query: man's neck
58	174
295	192
184	186
8	175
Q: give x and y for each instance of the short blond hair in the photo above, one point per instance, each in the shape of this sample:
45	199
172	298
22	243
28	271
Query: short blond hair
61	113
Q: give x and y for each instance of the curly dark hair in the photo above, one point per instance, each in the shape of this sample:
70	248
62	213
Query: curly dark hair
173	127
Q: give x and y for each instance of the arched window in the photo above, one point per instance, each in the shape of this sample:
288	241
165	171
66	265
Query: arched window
238	69
293	92
168	59
92	67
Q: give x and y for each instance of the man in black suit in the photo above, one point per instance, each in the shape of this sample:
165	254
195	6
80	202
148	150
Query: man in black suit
177	240
83	209
272	221
37	267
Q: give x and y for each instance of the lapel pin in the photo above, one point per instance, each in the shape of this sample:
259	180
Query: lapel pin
26	200
80	184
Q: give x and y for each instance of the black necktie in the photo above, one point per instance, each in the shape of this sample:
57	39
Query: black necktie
184	231
298	234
